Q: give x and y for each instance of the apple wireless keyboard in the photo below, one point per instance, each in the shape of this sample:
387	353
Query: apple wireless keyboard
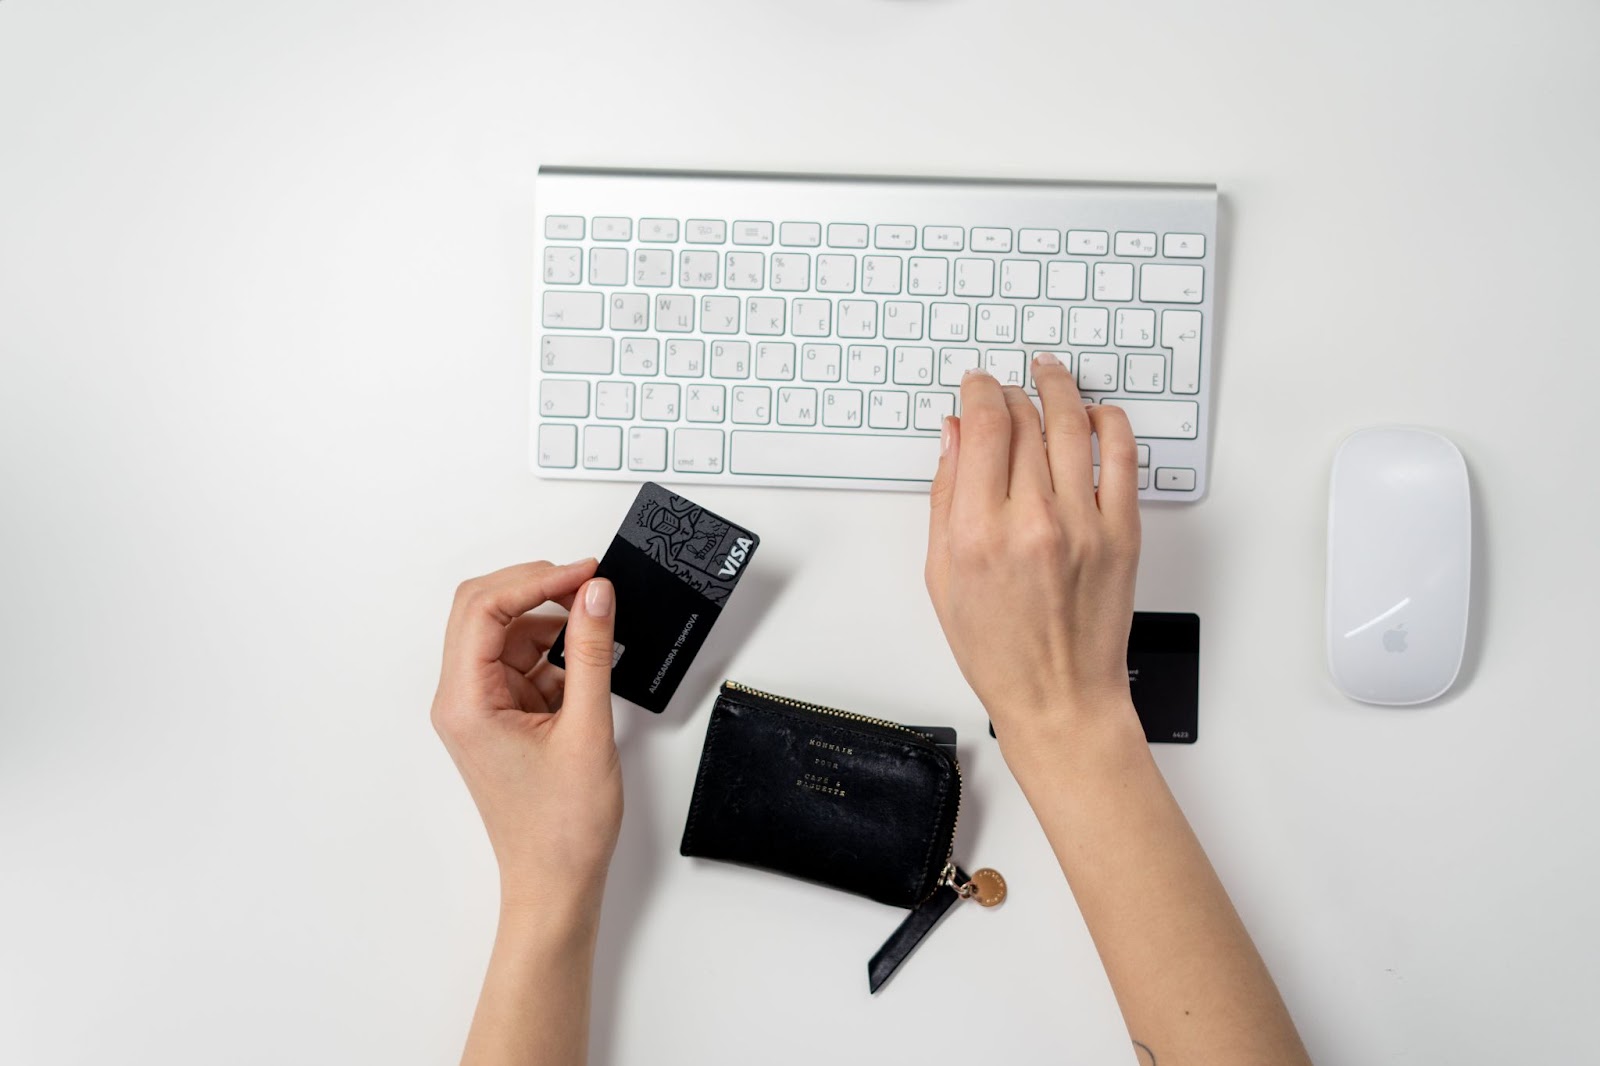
806	330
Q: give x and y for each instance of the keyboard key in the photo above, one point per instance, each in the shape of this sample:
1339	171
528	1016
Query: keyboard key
797	407
858	318
1184	246
1041	324
558	446
614	399
1097	372
1067	281
891	237
856	456
1175	478
811	318
563	265
880	274
928	275
1005	365
836	273
563	398
841	408
745	270
602	447
638	355
943	238
986	239
1146	373
764	316
686	359
752	405
775	361
887	409
902	320
800	234
1086	326
931	409
658	230
913	365
697	451
847	235
974	277
1171	419
704	403
658	402
867	364
652	267
630	311
1144	456
1086	242
575	355
730	359
674	314
706	231
1180	331
647	448
1136	327
996	322
574	310
698	270
1113	281
564	227
791	271
1161	283
608	266
948	322
1136	244
954	364
1019	279
1046	241
608	228
1065	359
752	233
719	314
819	362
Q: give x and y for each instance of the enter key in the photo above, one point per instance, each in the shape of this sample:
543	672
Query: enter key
1180	331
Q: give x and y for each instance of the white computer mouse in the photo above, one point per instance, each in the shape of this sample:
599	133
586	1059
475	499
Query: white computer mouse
1399	565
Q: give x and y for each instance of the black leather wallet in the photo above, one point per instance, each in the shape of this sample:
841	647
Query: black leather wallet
856	803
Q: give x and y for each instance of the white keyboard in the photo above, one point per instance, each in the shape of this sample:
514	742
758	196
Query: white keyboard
782	330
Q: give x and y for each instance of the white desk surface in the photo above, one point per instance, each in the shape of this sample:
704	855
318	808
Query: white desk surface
265	277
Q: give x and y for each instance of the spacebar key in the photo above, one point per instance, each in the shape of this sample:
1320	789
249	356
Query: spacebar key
861	456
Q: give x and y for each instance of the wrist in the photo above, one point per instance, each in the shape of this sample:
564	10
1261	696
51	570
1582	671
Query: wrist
1067	745
551	908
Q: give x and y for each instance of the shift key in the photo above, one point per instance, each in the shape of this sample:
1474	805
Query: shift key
1169	419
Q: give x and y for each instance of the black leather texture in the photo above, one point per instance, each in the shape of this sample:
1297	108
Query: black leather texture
904	940
861	807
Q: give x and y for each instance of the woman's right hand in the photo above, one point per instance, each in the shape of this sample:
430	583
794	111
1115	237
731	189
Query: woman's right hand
1030	569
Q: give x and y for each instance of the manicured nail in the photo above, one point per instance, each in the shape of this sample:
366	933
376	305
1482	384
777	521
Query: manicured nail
597	599
1046	359
944	435
975	371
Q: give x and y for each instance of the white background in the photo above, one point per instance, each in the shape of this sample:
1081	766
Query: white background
265	276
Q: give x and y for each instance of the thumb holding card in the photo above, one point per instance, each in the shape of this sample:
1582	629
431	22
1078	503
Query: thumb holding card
588	653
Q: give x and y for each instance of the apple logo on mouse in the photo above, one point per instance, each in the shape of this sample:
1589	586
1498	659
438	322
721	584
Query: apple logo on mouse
1395	639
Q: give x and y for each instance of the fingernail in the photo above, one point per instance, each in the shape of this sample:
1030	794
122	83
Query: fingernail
597	599
944	435
975	371
587	559
1046	359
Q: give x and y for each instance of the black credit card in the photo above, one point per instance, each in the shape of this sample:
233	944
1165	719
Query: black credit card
1164	676
942	736
674	564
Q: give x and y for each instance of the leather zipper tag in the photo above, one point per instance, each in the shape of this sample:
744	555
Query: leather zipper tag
918	924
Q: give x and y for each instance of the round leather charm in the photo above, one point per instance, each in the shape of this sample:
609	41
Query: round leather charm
990	887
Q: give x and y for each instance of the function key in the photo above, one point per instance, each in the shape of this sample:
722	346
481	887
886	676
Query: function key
607	228
1087	241
1046	241
895	236
943	238
847	235
707	231
658	230
1136	244
564	227
990	240
1184	246
800	234
745	232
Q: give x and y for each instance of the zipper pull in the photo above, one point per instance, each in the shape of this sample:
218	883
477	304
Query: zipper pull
986	886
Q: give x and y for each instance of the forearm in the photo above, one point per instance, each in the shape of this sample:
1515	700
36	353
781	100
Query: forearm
1192	988
534	1008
